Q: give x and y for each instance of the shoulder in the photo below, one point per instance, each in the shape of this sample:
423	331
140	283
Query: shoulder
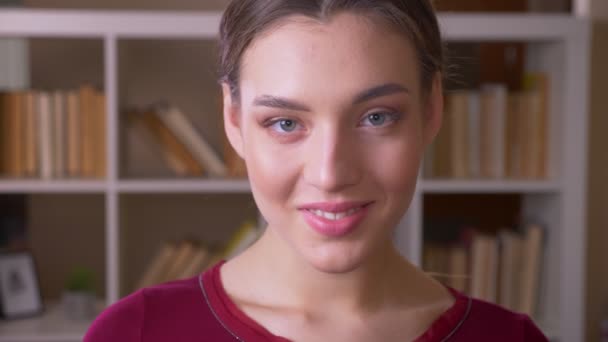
487	321
124	317
158	313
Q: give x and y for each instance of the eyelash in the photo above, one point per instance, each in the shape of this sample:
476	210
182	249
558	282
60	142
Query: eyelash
391	116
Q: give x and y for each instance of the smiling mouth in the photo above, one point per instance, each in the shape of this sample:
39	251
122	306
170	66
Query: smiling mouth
335	216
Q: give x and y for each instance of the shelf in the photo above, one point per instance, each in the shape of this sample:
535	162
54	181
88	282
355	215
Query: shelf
497	27
242	186
53	186
184	186
52	326
100	23
154	24
555	44
489	186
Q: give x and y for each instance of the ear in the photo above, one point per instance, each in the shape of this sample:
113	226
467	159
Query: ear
232	120
434	111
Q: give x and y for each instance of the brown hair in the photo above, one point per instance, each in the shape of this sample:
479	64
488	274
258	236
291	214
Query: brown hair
244	20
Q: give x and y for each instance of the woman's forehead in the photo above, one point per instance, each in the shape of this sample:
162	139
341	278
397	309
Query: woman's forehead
346	51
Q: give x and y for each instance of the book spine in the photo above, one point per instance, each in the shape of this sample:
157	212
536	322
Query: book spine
59	132
87	121
474	135
100	130
32	129
73	136
200	149
45	137
158	266
529	281
493	125
459	109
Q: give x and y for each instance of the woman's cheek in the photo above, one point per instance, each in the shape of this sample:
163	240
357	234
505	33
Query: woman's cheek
272	169
400	160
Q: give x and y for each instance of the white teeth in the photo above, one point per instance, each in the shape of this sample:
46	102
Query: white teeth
334	216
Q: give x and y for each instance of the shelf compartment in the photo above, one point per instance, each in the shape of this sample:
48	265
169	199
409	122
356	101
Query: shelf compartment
150	144
149	220
63	232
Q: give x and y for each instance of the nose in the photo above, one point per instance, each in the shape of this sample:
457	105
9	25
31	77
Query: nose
333	161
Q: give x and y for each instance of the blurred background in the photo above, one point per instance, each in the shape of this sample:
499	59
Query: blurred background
116	174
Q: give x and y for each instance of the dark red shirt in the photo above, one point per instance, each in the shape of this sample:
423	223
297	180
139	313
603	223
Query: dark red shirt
198	309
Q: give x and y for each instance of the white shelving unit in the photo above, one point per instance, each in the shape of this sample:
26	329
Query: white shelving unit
559	45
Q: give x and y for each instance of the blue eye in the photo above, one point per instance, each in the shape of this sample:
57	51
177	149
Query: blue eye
378	119
286	125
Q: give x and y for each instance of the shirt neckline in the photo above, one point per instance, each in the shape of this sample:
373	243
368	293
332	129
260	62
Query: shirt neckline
244	328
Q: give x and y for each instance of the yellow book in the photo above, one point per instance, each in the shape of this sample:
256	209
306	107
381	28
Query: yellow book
243	238
157	266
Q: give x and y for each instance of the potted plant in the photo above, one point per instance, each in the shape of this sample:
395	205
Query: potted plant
79	296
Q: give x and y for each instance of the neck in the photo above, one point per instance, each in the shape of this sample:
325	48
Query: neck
375	284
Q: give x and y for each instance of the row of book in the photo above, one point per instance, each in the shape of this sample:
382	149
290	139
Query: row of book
53	134
502	268
491	133
187	258
183	148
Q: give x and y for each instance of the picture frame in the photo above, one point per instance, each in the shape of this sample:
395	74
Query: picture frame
20	295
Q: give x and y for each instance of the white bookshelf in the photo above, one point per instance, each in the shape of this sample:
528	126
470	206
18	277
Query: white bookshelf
559	45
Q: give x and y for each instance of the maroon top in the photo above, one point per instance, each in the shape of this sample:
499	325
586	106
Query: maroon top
199	309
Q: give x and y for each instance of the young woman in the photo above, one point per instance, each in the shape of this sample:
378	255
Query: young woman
331	103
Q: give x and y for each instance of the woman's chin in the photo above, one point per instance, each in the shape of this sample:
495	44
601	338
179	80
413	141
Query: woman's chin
335	260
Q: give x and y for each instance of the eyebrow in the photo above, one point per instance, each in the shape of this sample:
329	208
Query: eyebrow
364	96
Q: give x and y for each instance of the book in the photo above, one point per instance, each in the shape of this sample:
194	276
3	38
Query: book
474	131
4	134
86	95
510	268
17	114
45	131
537	85
158	266
483	267
493	106
74	137
99	130
458	102
245	235
31	129
202	151
144	155
175	152
59	133
458	268
530	273
514	135
186	249
200	258
442	158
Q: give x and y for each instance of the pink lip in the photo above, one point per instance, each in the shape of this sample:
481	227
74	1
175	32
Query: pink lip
334	228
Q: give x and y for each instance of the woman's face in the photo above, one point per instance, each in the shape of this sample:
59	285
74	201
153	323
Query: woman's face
332	126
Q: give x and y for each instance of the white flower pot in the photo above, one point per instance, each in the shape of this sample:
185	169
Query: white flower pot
79	305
